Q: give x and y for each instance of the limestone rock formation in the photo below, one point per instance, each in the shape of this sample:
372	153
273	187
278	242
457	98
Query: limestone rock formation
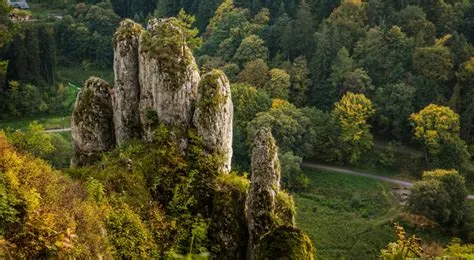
126	98
92	123
213	116
169	77
261	202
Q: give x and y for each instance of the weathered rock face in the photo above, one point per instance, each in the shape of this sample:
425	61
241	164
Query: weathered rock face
92	123
261	202
126	98
213	116
169	77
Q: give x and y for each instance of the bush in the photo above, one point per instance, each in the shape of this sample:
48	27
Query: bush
440	196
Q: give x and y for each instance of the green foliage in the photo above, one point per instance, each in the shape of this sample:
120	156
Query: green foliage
393	104
285	242
352	113
434	63
251	48
437	127
338	230
279	84
255	73
34	141
404	247
129	235
50	217
300	82
292	176
440	196
289	126
247	101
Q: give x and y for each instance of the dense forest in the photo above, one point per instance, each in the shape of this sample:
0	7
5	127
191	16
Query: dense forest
376	85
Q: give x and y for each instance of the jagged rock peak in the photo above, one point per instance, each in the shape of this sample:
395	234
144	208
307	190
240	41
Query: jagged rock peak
213	116
126	97
169	76
92	123
262	199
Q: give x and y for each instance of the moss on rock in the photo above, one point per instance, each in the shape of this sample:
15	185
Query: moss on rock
166	42
212	98
128	32
92	123
285	242
229	233
285	209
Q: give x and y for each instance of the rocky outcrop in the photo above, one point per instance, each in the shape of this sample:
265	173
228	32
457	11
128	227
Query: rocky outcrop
267	208
169	77
92	123
126	98
261	202
213	116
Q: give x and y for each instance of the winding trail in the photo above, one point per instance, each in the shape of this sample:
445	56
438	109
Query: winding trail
60	130
365	175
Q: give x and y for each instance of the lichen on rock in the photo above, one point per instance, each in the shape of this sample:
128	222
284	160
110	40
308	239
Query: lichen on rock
213	116
126	97
169	77
92	123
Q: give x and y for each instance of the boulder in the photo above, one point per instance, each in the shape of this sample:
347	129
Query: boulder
92	123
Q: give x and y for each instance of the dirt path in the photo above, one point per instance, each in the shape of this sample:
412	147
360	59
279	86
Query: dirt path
58	130
365	175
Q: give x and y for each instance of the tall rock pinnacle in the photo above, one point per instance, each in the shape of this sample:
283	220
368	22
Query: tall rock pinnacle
265	185
126	98
92	123
213	116
169	77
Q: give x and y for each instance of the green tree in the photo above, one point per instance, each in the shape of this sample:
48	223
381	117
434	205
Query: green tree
342	65
434	63
343	28
440	196
412	20
300	82
248	102
352	113
291	127
279	84
251	48
438	128
386	54
394	105
298	40
255	73
292	176
205	11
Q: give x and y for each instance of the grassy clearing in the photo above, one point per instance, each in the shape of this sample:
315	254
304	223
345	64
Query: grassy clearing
49	122
346	216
